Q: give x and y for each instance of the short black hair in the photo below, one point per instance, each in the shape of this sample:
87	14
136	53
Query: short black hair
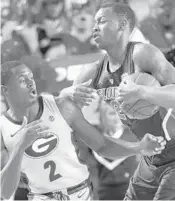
124	10
7	70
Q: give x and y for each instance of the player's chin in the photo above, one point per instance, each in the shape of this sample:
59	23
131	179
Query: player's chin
32	98
97	40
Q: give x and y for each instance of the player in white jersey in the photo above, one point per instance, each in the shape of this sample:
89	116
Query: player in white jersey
36	140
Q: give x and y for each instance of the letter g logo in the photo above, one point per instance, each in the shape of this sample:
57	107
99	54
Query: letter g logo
42	146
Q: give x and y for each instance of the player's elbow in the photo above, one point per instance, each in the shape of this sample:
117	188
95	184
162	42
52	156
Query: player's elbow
5	196
107	151
7	189
5	193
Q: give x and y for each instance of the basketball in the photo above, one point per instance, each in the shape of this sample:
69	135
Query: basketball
141	109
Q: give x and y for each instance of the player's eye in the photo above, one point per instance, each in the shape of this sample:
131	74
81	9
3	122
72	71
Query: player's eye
21	80
31	77
102	21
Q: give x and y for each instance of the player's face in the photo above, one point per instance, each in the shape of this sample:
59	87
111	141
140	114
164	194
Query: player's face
106	31
21	88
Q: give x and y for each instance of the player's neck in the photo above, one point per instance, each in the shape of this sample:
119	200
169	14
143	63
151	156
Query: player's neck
116	53
17	112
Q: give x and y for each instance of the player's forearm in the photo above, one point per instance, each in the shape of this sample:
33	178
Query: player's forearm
103	145
117	148
10	174
89	135
161	96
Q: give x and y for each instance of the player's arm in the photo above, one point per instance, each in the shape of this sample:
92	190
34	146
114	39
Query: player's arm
82	90
150	59
103	145
10	170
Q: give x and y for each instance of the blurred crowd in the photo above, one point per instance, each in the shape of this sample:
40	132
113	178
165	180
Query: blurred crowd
50	28
39	32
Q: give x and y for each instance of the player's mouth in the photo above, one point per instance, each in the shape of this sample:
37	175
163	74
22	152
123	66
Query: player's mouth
95	35
33	92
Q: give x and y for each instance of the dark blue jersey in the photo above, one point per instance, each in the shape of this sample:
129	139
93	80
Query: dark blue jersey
105	82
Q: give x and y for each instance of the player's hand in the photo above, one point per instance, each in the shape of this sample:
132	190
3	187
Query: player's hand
81	93
28	133
151	145
128	91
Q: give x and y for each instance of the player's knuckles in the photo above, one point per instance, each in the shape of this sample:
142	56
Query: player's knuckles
82	89
43	134
43	129
157	152
163	143
77	95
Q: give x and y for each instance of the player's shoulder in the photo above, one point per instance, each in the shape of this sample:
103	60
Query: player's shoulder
65	104
2	118
144	54
142	49
47	97
87	72
68	109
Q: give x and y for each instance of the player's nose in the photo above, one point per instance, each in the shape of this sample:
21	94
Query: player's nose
95	28
30	83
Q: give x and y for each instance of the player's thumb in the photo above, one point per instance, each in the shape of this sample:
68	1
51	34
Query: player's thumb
87	83
24	122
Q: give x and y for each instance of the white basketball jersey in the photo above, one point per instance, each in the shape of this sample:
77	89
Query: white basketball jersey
50	164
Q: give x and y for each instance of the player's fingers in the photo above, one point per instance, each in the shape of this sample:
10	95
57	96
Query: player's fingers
152	137
80	95
84	89
119	99
42	129
82	102
157	152
87	83
24	123
160	139
86	102
43	134
82	99
84	95
121	105
163	143
160	148
37	126
34	123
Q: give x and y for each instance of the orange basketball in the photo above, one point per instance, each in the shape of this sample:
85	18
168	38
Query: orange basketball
141	109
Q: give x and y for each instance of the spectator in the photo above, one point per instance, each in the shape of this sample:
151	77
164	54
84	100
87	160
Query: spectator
54	26
159	26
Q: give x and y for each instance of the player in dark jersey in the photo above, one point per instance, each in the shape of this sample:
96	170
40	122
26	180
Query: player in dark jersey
155	175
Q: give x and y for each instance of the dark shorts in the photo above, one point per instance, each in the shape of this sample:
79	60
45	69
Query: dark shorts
152	183
154	179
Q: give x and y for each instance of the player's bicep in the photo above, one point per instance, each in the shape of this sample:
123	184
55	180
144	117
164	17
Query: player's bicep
4	153
87	133
151	60
163	70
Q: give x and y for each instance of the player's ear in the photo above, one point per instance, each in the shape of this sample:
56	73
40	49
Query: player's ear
4	89
123	23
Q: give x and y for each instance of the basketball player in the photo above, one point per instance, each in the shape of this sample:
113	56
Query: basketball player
41	146
155	176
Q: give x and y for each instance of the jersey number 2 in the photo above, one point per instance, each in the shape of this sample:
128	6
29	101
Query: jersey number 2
52	166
